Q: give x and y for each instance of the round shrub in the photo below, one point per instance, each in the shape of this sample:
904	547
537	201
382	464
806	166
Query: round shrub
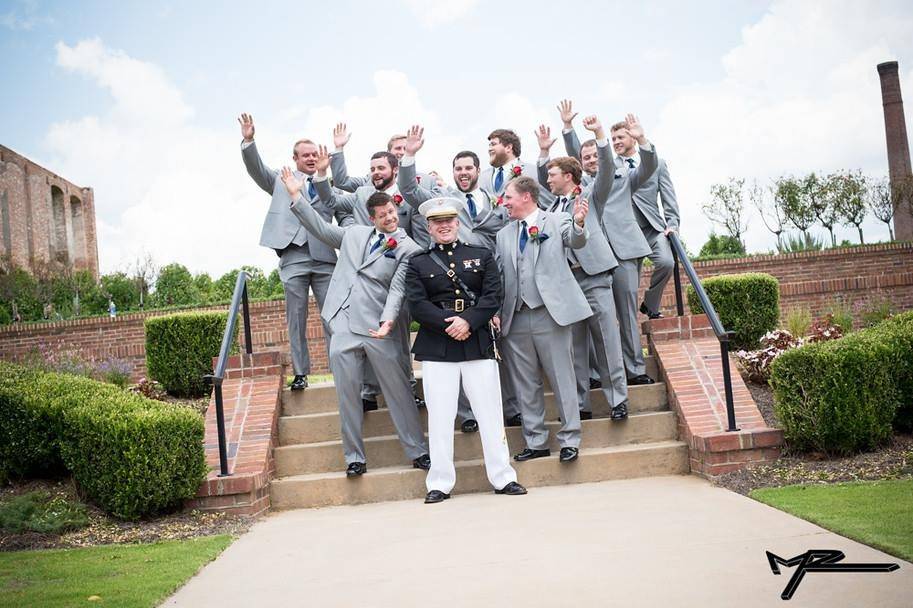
837	397
180	348
897	333
747	304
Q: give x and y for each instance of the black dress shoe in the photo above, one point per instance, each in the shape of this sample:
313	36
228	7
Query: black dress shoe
469	426
419	403
568	454
512	489
299	383
355	469
528	454
368	405
514	420
646	311
595	383
641	379
620	411
422	462
436	496
586	415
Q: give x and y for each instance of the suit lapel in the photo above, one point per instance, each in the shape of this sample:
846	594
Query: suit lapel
371	256
515	245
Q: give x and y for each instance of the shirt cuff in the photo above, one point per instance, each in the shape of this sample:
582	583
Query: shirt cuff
648	147
602	143
246	144
566	131
321	179
407	161
543	160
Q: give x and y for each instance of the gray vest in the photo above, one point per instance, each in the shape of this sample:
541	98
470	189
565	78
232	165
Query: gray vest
526	267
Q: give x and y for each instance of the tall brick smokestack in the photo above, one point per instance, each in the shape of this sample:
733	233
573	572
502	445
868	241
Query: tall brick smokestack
895	128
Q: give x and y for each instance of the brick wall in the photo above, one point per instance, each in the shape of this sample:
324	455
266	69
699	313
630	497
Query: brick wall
814	280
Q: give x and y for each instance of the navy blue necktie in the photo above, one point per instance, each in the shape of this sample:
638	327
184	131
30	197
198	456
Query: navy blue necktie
377	243
524	236
473	212
312	191
499	179
631	167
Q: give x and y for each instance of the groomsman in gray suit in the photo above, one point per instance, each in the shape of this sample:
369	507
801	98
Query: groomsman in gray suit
362	306
627	241
542	301
592	266
304	263
506	166
480	220
656	226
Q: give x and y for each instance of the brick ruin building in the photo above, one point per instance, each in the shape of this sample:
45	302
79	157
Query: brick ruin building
44	218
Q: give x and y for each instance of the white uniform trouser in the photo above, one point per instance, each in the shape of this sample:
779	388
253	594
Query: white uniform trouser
483	388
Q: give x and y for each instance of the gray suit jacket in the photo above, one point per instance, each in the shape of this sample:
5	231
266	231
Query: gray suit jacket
356	203
596	256
372	286
482	231
281	228
561	294
644	196
487	182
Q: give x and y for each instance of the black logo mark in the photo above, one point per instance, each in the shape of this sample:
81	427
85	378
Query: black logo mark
819	560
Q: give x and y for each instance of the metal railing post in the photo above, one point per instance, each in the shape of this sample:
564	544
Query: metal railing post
248	342
679	304
220	425
727	383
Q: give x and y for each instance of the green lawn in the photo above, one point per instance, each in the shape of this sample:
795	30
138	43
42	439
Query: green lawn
113	575
879	513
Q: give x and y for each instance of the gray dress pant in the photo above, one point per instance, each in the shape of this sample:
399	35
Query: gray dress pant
297	279
535	339
348	354
663	265
600	330
624	290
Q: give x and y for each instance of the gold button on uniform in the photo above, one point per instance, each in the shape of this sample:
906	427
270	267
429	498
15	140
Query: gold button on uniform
456	291
452	265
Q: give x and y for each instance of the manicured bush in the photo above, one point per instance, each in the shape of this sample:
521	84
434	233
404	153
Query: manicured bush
180	348
897	332
747	304
841	396
130	455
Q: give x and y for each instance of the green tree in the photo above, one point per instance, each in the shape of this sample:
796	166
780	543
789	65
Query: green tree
721	244
257	284
175	287
275	284
726	207
821	200
789	195
203	283
849	192
122	289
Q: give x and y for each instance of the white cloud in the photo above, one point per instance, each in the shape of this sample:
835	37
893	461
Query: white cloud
800	94
432	13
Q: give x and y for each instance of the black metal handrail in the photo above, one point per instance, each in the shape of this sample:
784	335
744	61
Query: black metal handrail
238	298
681	258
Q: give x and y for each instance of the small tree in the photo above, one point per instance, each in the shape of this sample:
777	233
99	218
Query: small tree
849	192
726	207
175	287
788	192
881	202
818	196
770	210
144	272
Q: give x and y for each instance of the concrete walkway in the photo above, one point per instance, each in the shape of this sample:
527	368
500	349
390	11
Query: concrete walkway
664	541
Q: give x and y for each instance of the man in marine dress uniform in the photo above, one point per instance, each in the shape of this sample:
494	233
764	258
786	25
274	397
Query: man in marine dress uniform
304	263
363	305
453	290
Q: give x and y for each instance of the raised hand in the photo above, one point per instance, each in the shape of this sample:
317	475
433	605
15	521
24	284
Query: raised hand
340	135
581	208
591	123
414	141
566	109
383	331
323	160
247	126
635	129
292	183
544	136
437	177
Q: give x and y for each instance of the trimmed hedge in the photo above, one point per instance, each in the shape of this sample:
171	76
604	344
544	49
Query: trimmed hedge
747	304
130	455
844	396
180	348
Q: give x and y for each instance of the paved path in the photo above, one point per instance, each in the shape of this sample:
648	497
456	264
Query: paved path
664	541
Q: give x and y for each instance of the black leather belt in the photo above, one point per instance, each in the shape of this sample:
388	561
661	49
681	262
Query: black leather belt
458	305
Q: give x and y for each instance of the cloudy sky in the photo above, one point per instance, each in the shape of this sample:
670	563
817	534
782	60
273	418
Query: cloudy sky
139	100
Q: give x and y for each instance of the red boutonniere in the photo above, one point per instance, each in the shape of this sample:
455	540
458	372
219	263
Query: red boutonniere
499	201
535	235
576	192
390	244
397	198
517	171
418	179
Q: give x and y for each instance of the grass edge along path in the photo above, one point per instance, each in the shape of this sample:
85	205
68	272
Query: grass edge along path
141	575
876	513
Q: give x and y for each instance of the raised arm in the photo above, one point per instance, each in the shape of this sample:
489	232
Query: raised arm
262	175
667	196
605	176
573	231
571	143
315	225
648	160
546	141
397	289
326	193
413	192
341	177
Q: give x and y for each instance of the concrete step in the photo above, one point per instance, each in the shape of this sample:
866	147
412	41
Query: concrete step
386	451
322	398
401	483
324	425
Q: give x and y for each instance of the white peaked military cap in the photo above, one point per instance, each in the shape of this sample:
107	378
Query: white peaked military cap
440	208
